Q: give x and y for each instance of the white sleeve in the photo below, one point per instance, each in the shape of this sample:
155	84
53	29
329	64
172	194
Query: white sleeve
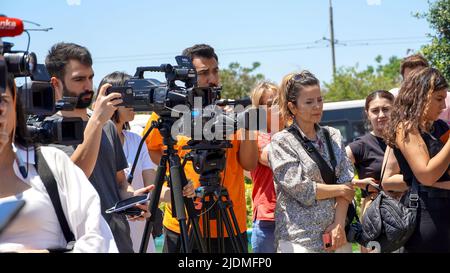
81	205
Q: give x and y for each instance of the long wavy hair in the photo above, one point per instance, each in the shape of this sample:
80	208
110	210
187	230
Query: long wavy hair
413	102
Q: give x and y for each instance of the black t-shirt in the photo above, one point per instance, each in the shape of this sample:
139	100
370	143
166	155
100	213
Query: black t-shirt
368	152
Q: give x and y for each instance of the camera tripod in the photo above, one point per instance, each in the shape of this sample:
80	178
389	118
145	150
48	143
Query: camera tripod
209	161
177	180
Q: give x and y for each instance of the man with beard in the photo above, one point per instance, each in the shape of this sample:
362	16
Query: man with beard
100	156
242	156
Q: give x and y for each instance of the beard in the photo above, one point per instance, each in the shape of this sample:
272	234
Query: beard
84	99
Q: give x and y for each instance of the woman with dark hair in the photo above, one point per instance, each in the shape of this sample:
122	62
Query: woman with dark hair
36	228
308	210
367	152
423	158
145	171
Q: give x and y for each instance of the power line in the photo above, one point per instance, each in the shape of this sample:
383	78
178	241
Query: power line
267	49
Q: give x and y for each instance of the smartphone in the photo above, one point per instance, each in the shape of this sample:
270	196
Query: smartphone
128	206
126	92
9	210
326	238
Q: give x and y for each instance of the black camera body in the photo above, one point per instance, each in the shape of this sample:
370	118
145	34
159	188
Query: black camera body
18	63
126	92
57	130
151	95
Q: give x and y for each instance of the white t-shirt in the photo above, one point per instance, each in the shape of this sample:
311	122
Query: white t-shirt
36	227
130	147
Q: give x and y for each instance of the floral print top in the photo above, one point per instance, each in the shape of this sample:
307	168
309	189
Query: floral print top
300	218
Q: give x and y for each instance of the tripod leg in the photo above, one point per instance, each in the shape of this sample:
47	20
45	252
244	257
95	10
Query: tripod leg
219	224
177	190
206	225
236	225
153	204
231	233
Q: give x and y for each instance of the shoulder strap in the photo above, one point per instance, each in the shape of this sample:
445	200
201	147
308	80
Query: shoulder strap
51	186
413	195
333	160
326	172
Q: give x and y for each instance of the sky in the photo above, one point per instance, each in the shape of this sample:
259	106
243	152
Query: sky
283	35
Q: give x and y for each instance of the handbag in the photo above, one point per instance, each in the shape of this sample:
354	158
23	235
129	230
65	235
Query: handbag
353	226
390	222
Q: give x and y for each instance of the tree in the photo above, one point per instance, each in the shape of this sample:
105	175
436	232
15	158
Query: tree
238	81
350	84
438	52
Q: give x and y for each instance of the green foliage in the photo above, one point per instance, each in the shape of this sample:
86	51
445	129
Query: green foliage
350	83
438	52
238	81
248	201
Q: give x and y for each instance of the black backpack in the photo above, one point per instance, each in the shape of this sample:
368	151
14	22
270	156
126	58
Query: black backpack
388	221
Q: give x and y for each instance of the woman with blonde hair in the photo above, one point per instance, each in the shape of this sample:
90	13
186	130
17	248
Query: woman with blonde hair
263	196
309	212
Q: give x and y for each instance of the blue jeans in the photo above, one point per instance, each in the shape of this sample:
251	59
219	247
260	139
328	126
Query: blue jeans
263	237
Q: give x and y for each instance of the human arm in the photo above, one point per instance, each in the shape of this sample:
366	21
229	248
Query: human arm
289	175
337	228
427	170
248	151
85	155
392	180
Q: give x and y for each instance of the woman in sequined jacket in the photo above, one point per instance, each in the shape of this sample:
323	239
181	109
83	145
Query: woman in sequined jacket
307	208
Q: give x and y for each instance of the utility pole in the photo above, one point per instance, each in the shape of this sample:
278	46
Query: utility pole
332	41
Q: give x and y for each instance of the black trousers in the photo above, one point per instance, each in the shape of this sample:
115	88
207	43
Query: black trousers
432	233
172	243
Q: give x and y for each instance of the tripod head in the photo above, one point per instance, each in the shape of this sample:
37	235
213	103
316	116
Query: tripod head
209	159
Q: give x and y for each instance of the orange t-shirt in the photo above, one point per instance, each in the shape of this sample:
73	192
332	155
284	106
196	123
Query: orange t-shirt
233	181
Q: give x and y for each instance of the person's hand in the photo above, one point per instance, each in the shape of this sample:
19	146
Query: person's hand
347	192
144	207
188	190
4	137
338	238
369	184
105	106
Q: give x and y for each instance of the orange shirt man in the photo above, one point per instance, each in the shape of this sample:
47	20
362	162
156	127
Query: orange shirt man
243	155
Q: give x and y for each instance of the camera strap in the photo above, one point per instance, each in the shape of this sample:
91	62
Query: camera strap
51	186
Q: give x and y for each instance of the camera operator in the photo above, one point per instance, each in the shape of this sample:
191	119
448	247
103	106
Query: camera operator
100	156
36	228
243	155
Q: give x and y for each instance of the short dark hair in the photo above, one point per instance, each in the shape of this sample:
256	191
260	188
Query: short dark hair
200	50
116	78
413	62
61	53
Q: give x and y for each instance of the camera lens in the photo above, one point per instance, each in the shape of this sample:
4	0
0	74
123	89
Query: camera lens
21	64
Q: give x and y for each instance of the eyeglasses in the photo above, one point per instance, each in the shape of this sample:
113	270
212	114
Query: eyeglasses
293	80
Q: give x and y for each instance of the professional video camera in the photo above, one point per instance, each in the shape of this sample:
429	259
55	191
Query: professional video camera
38	99
152	95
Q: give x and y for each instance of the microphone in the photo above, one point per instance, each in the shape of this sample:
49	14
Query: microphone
10	27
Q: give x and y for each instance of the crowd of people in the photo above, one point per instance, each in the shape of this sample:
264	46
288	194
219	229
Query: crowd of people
304	178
